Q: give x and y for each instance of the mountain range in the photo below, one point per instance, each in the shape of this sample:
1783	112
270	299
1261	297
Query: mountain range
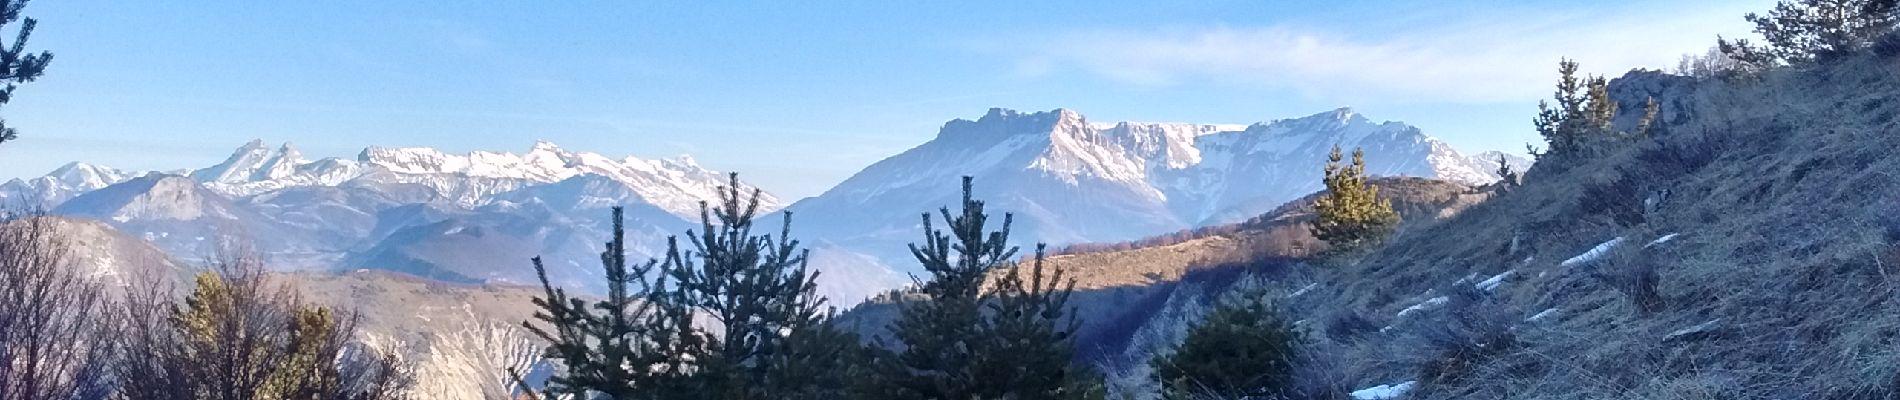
1068	180
478	217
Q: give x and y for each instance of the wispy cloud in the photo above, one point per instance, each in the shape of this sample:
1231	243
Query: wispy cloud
1480	57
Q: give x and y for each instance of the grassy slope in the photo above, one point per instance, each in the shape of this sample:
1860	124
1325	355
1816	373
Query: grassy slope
1786	241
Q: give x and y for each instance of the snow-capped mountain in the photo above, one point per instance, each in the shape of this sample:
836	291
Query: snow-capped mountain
677	185
62	184
479	216
1068	180
475	217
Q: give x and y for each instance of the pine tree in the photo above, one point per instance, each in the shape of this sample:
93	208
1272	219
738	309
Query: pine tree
1803	32
1507	177
1241	350
1351	215
1650	111
1561	126
1599	111
1032	344
770	339
952	350
17	65
632	345
760	293
1583	124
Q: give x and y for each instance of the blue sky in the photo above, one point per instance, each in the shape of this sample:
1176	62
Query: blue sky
794	95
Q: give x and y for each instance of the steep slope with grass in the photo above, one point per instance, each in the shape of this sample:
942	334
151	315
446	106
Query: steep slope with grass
1745	250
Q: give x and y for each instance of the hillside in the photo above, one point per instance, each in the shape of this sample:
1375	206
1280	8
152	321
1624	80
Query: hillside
1742	251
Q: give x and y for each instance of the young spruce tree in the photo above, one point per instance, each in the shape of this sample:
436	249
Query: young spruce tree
1582	124
1507	177
759	292
770	337
1243	350
1351	214
632	345
954	349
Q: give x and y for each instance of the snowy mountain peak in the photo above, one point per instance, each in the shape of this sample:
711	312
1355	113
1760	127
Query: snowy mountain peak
1344	115
281	165
240	167
683	161
1072	180
471	179
544	145
83	176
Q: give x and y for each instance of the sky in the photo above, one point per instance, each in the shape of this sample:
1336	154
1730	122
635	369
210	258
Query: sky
796	96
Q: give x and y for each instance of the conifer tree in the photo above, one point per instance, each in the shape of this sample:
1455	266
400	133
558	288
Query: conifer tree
17	64
632	345
760	293
1032	344
1583	124
1351	215
1650	111
952	349
770	336
1507	177
1801	32
1599	111
1241	350
1561	126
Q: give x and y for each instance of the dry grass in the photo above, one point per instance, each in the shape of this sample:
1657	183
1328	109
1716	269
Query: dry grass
1783	192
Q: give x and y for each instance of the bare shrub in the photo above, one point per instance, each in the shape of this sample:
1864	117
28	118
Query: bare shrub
1346	326
55	330
1710	64
1617	199
1631	270
240	336
1677	157
1474	327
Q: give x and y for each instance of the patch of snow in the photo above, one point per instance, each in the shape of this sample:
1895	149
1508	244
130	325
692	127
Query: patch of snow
1697	330
1467	278
1492	284
1661	240
1384	392
1303	290
1542	314
1594	254
1426	305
